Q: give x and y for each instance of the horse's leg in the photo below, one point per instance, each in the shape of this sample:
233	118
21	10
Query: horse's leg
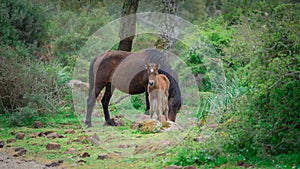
105	101
147	103
93	94
166	108
91	100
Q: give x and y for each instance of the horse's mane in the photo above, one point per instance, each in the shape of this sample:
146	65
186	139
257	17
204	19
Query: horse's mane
155	56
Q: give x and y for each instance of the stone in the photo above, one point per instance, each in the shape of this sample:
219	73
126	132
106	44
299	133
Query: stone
124	146
53	146
168	126
189	167
240	163
20	136
149	126
12	140
81	161
79	85
85	154
38	124
1	143
140	119
117	121
53	135
33	135
45	133
70	150
20	151
95	140
52	164
55	163
102	156
173	167
199	139
68	131
161	154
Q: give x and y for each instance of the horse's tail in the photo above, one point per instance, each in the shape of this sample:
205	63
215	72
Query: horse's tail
91	76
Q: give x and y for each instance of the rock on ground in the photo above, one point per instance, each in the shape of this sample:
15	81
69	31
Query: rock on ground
53	146
9	162
38	124
20	136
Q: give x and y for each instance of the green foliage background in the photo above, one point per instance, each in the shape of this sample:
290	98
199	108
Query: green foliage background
258	42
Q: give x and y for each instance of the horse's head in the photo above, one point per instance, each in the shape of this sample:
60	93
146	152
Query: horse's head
152	70
174	102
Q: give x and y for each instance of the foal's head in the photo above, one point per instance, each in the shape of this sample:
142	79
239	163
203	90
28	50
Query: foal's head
152	70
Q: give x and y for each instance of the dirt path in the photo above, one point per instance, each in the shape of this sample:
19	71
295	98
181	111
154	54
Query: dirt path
9	162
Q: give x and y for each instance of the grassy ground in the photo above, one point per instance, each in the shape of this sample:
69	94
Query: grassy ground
80	141
127	148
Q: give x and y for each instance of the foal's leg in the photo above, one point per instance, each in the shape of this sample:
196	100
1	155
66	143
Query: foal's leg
147	103
159	107
105	101
93	94
152	102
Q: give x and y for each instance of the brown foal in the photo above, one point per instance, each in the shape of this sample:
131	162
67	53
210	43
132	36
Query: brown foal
158	87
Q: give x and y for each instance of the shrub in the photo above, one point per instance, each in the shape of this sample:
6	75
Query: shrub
21	21
137	101
28	90
264	58
67	31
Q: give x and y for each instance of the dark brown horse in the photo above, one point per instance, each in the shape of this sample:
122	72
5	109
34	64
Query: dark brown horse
126	72
158	91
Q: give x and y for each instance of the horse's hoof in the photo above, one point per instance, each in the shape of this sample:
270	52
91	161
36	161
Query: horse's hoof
109	123
147	112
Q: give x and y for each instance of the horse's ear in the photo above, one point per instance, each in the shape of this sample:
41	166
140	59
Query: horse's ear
146	65
157	66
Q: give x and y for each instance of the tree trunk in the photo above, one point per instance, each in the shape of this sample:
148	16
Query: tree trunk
167	26
213	8
127	26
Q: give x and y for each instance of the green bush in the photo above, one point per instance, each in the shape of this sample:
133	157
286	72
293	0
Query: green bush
137	101
67	31
29	90
265	58
21	21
